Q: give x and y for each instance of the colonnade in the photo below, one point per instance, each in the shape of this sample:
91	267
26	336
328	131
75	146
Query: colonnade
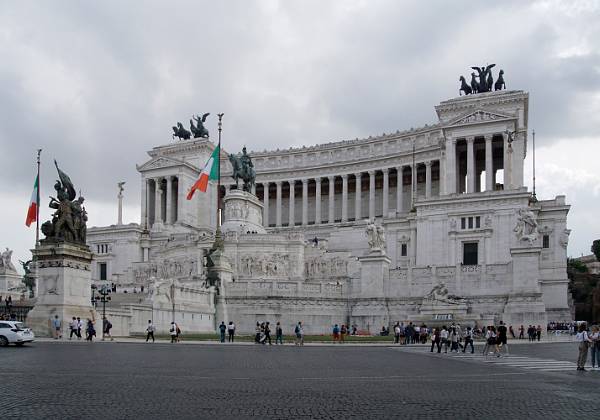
160	200
416	180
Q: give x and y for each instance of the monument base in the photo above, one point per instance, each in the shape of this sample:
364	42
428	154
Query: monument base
243	213
64	287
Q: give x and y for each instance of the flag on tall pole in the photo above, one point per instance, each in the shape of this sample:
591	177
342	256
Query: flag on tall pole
209	173
34	204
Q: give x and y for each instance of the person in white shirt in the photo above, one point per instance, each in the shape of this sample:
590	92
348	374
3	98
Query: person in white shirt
230	331
584	341
444	337
150	331
173	332
79	327
73	326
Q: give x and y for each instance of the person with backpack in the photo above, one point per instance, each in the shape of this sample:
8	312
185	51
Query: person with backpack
299	331
222	329
173	332
150	331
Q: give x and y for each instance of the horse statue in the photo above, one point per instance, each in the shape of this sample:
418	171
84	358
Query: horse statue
199	130
474	83
243	168
485	76
464	87
181	132
500	82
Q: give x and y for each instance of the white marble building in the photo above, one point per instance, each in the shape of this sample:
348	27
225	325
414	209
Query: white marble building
450	196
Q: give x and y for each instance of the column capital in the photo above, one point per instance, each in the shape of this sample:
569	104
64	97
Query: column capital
278	183
331	178
371	173
470	139
292	182
385	170
428	163
358	175
400	168
488	137
304	181
318	180
344	176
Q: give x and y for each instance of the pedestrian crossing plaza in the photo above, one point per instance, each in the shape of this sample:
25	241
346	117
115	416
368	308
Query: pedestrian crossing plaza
530	363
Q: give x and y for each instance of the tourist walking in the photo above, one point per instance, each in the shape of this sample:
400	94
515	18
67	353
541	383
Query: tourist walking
73	328
150	331
106	327
278	334
490	340
444	338
512	332
521	332
299	331
343	332
56	327
435	340
469	340
397	333
501	340
90	331
257	333
454	337
267	333
173	332
79	328
595	347
584	341
222	329
538	332
230	331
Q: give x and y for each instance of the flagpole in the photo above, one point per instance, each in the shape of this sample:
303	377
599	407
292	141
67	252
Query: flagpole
219	178
37	207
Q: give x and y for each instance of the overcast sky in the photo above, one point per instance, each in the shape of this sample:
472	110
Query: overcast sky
97	84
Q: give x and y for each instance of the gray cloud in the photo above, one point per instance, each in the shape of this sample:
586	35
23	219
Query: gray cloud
98	84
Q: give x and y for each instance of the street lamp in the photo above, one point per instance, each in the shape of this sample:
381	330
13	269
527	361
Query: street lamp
173	299
104	292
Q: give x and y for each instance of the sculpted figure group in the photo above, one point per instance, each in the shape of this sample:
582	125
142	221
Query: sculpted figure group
376	236
198	130
69	220
268	265
5	261
527	227
483	81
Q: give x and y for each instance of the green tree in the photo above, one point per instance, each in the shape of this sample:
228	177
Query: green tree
596	248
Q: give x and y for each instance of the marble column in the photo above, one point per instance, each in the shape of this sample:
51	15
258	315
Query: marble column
451	166
386	192
489	164
344	198
266	204
470	165
413	185
278	204
399	190
358	197
372	195
169	212
181	200
304	202
428	179
144	203
331	193
507	163
253	189
157	201
292	221
317	201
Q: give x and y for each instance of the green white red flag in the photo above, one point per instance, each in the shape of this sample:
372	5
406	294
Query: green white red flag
210	172
33	205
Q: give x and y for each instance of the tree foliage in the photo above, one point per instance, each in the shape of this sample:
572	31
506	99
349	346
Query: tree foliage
596	249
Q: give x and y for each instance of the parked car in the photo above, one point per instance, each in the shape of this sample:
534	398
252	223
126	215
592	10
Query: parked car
14	332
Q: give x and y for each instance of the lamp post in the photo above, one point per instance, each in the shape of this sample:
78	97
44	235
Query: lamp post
104	292
173	300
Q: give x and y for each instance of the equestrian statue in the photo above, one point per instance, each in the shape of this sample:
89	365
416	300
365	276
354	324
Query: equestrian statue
243	168
485	82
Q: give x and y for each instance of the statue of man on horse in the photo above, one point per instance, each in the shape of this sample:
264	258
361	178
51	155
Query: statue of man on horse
243	168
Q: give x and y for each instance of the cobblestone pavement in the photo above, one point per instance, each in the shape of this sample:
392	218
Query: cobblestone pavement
122	380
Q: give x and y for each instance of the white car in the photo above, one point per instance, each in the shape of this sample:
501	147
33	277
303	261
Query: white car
14	332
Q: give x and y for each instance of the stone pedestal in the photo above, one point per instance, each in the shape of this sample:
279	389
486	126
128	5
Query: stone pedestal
10	284
243	213
64	287
374	273
525	303
222	271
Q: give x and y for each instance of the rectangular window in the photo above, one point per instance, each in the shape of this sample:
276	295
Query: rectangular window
403	250
470	256
470	223
477	222
546	241
102	267
463	223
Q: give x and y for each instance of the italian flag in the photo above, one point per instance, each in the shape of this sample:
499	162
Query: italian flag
210	172
33	205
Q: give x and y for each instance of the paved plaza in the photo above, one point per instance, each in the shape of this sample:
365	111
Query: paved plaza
138	380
